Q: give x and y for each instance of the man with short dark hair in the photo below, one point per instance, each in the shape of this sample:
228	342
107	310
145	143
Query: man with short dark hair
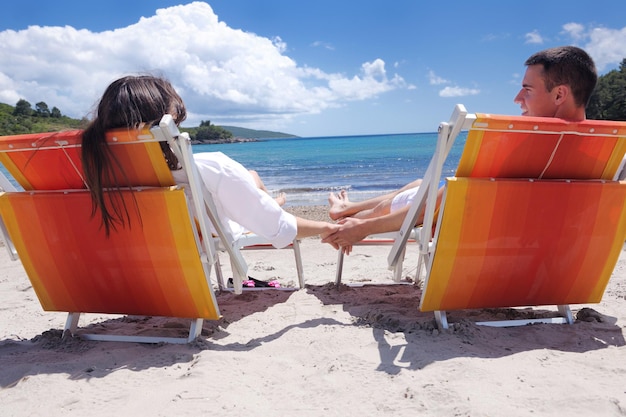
558	83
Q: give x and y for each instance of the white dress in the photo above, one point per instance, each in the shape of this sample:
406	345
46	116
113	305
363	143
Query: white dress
241	205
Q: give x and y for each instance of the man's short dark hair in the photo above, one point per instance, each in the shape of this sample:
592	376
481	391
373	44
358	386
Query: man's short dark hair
568	65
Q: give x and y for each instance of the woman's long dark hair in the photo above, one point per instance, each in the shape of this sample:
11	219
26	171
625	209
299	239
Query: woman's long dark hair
128	102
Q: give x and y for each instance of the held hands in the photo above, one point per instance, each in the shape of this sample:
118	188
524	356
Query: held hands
332	230
346	233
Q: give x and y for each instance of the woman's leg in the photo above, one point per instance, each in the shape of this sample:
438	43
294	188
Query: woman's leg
281	199
257	180
380	209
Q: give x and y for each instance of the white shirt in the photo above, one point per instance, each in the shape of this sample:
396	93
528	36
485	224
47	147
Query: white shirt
241	205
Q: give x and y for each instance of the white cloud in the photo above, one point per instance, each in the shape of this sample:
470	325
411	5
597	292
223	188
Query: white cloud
458	92
373	81
324	45
575	30
606	46
279	44
450	91
223	74
533	37
434	79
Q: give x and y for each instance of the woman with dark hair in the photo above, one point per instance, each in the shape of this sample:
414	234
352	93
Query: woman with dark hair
239	196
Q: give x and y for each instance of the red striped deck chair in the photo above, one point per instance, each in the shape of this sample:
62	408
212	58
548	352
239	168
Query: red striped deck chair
156	266
533	217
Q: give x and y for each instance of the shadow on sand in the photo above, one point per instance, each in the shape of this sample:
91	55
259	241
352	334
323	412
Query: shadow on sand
406	338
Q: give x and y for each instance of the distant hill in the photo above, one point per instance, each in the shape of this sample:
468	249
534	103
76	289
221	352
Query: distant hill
241	132
21	119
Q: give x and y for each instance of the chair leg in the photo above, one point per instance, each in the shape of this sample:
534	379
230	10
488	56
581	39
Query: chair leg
566	312
299	267
195	329
339	271
441	319
71	324
397	270
237	279
218	274
422	270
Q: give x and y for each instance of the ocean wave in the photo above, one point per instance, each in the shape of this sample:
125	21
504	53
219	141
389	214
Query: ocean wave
317	198
302	190
368	189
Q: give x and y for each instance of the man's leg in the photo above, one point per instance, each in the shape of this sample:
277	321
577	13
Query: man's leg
341	206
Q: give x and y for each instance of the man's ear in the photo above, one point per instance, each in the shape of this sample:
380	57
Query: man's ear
561	93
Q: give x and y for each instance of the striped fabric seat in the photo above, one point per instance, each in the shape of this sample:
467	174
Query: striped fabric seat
505	243
152	267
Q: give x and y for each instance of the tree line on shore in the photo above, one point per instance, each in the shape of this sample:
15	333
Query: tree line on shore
608	101
23	118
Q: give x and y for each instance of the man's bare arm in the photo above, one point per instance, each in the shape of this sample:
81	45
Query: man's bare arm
352	230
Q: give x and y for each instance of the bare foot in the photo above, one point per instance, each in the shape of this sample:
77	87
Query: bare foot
338	204
281	199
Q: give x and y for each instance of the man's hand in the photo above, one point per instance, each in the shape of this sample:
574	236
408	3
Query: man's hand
348	232
332	229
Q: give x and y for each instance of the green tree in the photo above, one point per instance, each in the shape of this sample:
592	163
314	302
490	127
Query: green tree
23	108
23	119
42	110
207	132
608	101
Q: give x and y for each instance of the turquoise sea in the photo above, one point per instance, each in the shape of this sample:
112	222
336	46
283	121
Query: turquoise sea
308	169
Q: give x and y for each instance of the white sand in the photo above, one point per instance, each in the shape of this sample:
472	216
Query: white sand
319	351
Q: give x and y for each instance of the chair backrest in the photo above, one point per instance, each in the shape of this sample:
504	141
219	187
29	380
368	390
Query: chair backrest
51	161
533	216
152	266
542	148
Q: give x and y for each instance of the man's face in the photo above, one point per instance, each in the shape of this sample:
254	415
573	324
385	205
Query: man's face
533	98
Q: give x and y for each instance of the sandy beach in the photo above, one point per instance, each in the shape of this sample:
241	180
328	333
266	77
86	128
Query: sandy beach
319	351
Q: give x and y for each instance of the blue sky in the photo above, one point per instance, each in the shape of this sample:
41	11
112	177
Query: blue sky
311	68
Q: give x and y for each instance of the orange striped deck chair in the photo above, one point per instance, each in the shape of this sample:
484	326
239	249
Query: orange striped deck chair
533	217
156	266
